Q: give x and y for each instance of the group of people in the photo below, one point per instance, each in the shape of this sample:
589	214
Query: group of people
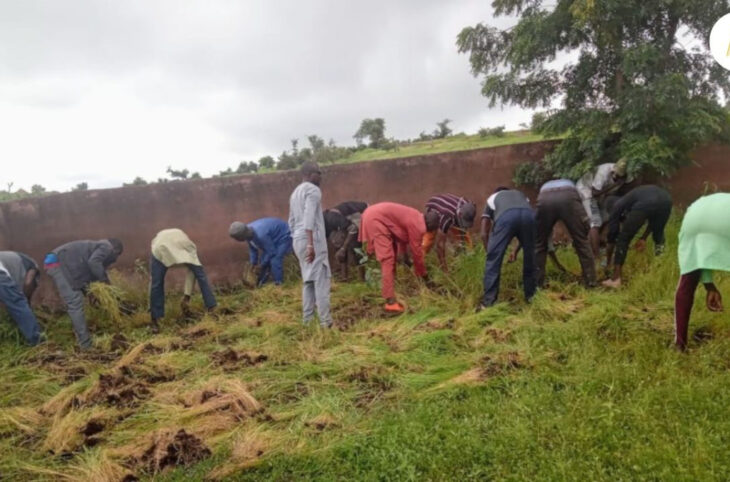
604	200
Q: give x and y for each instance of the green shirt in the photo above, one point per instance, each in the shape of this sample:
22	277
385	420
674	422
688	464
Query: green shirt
704	239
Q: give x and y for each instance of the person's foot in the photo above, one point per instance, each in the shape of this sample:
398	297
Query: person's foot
612	283
154	327
394	308
480	307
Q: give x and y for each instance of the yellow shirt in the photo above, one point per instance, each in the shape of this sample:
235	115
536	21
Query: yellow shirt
172	247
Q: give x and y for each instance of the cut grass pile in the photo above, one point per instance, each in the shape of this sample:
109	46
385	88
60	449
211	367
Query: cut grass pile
577	385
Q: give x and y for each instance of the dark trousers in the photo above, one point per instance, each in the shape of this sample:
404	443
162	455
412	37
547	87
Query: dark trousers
519	223
157	287
19	310
683	300
635	219
563	205
275	267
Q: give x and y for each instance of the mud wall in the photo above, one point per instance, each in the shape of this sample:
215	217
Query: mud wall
205	208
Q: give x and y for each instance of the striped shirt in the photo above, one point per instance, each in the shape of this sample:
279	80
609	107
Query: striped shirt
447	206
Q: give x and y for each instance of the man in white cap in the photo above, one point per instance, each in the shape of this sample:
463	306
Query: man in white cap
306	223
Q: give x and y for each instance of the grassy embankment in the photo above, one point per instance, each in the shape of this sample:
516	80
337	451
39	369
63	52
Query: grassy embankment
578	385
459	142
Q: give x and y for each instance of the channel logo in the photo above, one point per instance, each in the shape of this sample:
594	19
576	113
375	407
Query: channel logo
720	41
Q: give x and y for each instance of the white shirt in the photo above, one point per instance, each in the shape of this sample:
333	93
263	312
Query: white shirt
598	180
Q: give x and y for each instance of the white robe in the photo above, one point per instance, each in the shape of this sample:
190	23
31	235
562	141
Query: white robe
305	213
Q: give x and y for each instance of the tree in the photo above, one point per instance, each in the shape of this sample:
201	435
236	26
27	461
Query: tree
178	174
138	181
247	167
374	130
625	84
82	186
267	162
442	130
316	143
491	131
37	189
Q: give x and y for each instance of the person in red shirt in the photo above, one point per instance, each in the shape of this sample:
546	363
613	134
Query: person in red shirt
390	229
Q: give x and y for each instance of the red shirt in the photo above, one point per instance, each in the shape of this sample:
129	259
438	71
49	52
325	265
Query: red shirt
404	224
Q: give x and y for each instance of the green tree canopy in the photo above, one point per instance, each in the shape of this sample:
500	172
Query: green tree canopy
442	129
267	162
373	129
625	82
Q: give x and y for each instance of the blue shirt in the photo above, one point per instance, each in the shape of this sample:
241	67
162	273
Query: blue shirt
268	235
557	184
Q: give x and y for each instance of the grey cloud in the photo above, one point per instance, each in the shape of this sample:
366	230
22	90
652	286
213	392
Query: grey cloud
260	72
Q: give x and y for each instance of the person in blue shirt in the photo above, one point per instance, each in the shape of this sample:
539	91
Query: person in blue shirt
269	241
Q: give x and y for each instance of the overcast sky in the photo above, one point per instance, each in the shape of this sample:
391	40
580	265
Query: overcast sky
104	91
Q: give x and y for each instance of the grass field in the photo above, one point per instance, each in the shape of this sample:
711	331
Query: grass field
577	385
459	142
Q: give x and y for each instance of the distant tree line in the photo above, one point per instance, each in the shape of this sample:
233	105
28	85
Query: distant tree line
371	134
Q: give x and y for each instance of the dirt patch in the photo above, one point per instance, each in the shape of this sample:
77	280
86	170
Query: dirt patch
196	332
119	342
171	449
230	359
499	336
61	364
703	334
345	315
500	364
231	398
116	389
373	382
435	325
322	422
91	430
297	392
150	375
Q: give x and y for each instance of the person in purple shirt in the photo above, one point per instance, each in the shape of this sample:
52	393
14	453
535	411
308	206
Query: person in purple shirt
269	241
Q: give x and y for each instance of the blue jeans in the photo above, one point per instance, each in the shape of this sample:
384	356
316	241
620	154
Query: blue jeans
276	265
157	287
519	223
19	310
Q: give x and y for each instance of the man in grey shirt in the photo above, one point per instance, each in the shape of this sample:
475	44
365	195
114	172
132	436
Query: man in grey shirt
73	267
507	215
18	280
306	224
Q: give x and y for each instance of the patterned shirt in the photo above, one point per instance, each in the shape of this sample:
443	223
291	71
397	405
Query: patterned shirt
447	206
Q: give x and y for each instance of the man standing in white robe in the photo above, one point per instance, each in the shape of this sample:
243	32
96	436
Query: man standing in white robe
306	223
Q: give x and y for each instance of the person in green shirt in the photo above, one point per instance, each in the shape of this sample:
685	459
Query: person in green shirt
704	247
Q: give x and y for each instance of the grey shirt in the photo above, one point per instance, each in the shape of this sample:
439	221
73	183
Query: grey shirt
17	265
85	261
502	201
